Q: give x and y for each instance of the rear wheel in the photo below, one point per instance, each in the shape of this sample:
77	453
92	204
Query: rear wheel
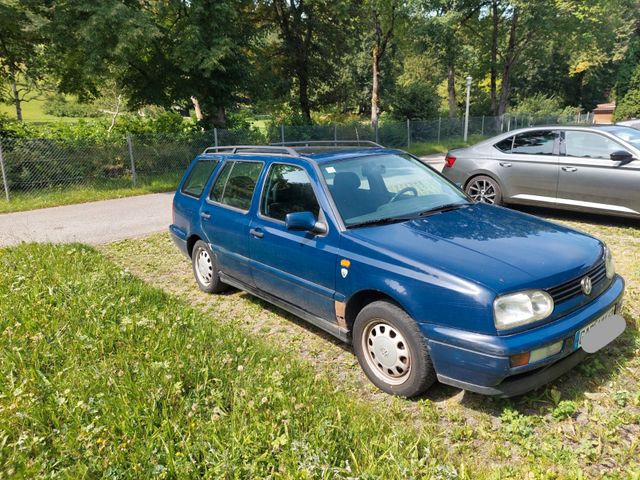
205	269
392	351
484	189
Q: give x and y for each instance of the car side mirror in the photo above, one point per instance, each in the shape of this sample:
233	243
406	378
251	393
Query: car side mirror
621	156
304	221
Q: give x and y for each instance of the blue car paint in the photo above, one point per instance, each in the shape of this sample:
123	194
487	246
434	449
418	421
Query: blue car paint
445	270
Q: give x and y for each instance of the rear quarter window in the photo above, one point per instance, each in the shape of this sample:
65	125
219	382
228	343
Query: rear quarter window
505	145
198	177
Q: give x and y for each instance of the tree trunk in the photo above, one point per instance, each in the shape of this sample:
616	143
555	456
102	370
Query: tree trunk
375	74
196	107
303	81
451	88
509	60
16	94
494	56
220	116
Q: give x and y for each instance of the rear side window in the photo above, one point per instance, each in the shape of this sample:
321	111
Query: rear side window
235	184
198	177
534	143
505	145
288	189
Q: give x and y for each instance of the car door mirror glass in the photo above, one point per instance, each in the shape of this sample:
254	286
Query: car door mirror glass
304	221
621	156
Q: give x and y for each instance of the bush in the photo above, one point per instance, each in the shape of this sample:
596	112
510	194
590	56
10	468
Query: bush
59	106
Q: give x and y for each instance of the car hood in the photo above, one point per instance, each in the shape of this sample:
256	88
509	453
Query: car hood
502	249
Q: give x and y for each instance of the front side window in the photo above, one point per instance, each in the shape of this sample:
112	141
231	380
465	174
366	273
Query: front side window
387	188
589	145
235	184
540	142
505	145
198	177
288	189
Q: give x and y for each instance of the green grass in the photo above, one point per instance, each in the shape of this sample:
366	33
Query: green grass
32	112
584	425
100	190
102	375
428	148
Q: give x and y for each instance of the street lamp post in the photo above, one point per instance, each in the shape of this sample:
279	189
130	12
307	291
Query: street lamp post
466	114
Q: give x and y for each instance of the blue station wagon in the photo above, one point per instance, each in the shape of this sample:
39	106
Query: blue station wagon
385	253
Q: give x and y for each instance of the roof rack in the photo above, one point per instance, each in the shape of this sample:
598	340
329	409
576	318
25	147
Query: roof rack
266	149
290	148
329	143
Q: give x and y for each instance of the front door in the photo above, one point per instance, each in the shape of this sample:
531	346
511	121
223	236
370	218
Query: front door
295	266
589	178
226	217
528	166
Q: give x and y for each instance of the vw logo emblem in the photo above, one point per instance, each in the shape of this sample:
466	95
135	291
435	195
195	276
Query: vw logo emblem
585	283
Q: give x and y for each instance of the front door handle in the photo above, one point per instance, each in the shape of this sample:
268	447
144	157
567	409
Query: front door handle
505	164
257	232
205	215
570	169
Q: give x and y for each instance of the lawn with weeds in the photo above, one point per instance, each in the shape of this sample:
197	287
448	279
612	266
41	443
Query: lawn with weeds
584	425
100	190
428	148
103	375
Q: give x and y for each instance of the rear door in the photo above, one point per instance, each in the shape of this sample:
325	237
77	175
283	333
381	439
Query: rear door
226	216
527	166
295	266
590	179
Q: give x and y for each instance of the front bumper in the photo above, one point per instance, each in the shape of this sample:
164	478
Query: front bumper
481	363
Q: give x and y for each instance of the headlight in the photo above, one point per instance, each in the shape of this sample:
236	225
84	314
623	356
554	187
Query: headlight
515	309
609	263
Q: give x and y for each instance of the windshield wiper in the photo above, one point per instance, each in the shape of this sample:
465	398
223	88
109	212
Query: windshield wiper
443	208
380	221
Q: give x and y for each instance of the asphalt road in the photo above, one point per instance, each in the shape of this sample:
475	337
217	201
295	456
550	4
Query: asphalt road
104	221
94	223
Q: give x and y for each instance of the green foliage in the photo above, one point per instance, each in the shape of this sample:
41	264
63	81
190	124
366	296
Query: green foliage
59	106
539	104
416	100
628	86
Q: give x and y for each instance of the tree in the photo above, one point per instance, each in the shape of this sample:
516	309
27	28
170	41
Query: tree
19	52
384	15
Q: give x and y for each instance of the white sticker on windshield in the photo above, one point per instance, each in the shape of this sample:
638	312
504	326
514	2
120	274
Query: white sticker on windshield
330	170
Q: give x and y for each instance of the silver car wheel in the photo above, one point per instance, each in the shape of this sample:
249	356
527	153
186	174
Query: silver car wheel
386	352
482	191
204	267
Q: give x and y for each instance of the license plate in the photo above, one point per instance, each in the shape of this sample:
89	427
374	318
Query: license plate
599	332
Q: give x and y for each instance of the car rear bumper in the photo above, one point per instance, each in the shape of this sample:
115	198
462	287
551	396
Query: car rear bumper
179	237
481	363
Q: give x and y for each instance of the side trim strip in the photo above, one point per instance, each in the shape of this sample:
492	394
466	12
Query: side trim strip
577	203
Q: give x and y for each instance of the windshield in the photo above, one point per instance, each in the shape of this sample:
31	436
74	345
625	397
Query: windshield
376	188
628	134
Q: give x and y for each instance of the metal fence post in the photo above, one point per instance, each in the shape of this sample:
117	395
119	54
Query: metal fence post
439	127
408	133
215	137
4	175
335	134
134	176
482	127
282	132
377	134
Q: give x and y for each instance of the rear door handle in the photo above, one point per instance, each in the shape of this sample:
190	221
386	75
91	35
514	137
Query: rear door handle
570	169
505	164
257	232
205	215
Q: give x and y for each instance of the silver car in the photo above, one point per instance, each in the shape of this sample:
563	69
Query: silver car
594	168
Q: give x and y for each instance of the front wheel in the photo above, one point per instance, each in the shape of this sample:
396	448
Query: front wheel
392	351
205	269
485	190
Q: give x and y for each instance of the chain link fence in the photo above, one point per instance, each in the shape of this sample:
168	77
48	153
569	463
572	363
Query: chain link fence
33	166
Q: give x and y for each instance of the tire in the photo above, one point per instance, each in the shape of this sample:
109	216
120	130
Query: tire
205	270
484	189
407	371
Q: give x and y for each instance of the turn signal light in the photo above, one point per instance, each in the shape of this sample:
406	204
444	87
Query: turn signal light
449	160
519	359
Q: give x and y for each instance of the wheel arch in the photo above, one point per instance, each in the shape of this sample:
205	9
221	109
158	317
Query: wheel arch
191	241
492	176
361	299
